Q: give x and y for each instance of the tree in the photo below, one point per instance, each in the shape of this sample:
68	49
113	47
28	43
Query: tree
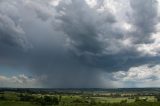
93	102
26	97
48	100
55	101
157	97
137	99
2	97
124	101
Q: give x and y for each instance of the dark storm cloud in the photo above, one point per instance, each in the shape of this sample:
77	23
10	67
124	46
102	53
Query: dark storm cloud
80	23
85	26
10	32
72	44
13	42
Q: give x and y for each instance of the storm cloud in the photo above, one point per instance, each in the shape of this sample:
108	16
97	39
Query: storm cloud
72	43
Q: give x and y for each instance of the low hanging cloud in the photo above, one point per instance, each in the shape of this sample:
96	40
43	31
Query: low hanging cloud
19	81
73	42
141	76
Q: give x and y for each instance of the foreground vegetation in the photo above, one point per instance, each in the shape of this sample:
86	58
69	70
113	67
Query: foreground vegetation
77	98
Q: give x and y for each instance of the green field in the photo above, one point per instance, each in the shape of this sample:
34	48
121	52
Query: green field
15	103
76	99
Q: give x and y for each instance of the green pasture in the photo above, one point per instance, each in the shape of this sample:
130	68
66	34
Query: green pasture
13	99
15	103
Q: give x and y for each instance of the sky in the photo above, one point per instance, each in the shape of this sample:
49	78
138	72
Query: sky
79	43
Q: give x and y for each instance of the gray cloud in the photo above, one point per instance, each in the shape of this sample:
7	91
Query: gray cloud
95	42
144	19
81	24
10	32
72	44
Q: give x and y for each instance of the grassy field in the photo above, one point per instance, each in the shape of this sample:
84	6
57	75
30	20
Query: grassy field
16	103
7	103
74	99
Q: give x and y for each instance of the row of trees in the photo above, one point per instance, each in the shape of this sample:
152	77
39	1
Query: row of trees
47	100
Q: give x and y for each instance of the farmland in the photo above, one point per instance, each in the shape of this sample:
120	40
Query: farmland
80	97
